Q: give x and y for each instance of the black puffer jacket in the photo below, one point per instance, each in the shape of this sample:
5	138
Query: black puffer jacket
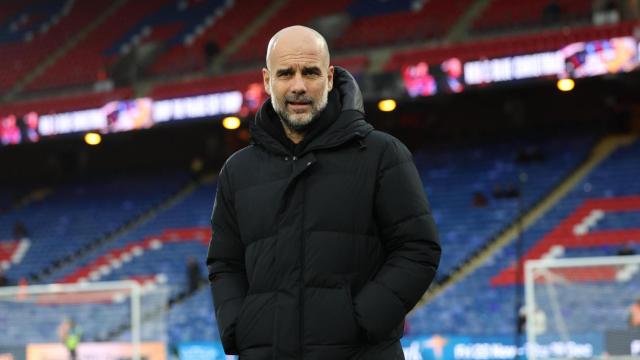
319	252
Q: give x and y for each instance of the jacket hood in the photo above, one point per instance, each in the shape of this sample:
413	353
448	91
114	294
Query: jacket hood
350	122
350	94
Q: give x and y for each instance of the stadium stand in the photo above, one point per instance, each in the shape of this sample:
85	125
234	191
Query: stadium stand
172	22
10	196
26	55
85	100
465	229
191	54
191	319
186	233
505	14
483	308
87	62
20	19
237	81
169	229
375	24
81	214
291	13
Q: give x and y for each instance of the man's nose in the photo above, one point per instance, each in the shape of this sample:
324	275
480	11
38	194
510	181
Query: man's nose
298	86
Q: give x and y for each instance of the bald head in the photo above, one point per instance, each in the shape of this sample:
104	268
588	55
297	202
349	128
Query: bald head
298	76
299	40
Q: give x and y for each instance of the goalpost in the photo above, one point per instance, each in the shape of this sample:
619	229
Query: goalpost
104	313
579	308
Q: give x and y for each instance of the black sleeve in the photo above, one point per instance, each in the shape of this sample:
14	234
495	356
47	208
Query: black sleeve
225	262
410	240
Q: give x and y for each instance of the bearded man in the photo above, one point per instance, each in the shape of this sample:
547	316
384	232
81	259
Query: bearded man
323	239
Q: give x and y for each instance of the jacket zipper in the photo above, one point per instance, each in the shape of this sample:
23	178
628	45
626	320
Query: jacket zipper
302	263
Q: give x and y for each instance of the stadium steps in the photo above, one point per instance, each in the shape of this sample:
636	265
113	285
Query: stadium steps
30	198
50	272
235	44
48	62
378	58
601	151
215	67
460	28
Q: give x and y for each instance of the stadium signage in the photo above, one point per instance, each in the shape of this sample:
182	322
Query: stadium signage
513	68
95	350
203	351
118	116
558	349
576	60
197	106
12	353
71	122
438	347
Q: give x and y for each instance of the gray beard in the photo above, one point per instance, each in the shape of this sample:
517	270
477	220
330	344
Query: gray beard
299	127
296	127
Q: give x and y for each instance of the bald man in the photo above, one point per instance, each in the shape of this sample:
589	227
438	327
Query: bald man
322	235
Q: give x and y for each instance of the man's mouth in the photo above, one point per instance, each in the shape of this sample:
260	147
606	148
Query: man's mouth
299	105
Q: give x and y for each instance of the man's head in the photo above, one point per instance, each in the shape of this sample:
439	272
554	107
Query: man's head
298	76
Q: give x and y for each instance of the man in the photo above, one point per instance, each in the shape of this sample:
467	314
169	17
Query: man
194	276
70	335
322	235
4	280
634	314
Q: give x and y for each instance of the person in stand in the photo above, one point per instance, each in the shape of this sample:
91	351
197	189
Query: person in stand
634	315
479	200
551	12
323	239
20	231
4	280
194	275
70	335
626	250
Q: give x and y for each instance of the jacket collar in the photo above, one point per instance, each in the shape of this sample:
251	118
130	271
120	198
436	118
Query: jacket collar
350	121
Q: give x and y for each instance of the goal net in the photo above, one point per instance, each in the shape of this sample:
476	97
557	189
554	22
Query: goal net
117	319
580	308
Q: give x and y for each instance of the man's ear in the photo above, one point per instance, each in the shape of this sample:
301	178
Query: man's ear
265	80
330	78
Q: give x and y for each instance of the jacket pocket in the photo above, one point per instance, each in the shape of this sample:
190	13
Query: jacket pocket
329	317
362	337
255	321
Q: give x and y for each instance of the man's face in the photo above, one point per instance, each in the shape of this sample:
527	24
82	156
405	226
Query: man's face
298	80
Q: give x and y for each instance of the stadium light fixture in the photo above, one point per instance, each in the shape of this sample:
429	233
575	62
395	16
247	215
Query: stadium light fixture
387	105
566	85
92	138
231	122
